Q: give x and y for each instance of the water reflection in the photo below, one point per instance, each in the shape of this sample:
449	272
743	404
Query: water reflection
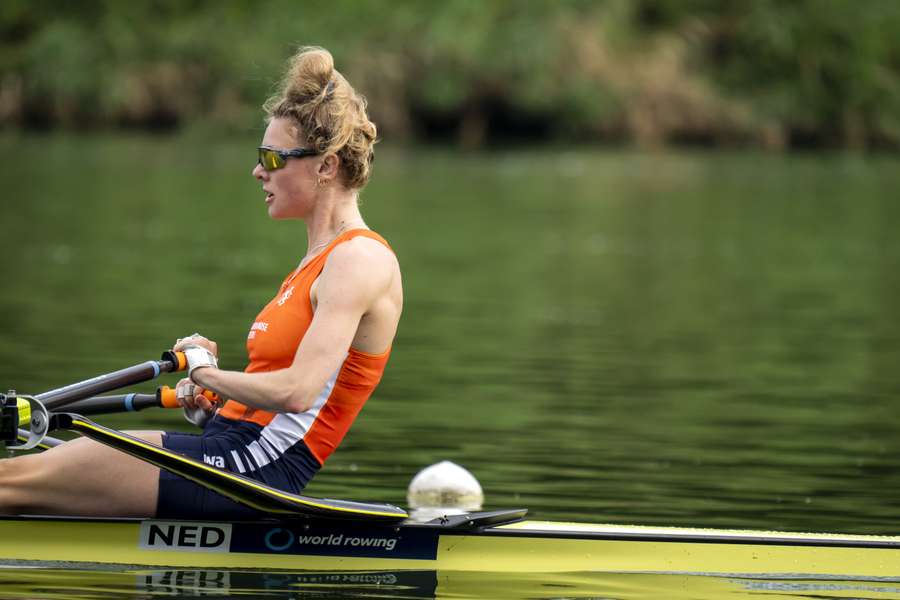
82	584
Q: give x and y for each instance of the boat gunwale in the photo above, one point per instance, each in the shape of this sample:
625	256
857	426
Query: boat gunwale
696	538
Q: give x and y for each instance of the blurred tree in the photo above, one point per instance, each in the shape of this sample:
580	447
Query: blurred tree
776	72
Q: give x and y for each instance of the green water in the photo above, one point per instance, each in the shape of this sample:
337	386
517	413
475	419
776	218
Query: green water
678	339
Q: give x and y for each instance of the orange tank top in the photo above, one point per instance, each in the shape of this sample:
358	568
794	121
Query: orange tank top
271	345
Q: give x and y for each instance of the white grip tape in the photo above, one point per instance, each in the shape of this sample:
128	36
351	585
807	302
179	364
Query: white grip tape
198	358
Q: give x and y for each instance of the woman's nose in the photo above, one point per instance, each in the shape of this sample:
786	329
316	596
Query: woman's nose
258	171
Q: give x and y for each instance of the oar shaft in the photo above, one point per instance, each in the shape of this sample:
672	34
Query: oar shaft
56	399
113	404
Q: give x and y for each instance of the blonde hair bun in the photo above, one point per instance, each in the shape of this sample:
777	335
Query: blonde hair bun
310	71
330	116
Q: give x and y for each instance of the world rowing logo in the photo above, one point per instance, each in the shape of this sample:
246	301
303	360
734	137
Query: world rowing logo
284	297
279	540
273	541
324	539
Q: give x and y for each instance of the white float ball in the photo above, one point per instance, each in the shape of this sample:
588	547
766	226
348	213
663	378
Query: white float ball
445	488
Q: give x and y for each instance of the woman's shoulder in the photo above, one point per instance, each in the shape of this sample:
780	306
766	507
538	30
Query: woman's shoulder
363	255
367	234
364	244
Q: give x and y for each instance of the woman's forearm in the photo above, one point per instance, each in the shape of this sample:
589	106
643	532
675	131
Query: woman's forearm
275	391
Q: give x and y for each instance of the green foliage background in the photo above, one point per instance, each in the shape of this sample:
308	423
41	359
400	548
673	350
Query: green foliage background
773	73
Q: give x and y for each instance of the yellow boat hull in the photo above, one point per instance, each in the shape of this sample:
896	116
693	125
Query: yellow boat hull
524	547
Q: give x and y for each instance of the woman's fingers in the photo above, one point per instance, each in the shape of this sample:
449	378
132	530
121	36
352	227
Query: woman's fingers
195	339
202	401
184	392
190	395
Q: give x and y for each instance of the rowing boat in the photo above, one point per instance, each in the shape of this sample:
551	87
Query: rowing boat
306	533
496	541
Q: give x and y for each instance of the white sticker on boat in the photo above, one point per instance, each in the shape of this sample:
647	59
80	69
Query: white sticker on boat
185	536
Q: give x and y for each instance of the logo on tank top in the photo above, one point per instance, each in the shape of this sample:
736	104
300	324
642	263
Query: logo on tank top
258	326
287	294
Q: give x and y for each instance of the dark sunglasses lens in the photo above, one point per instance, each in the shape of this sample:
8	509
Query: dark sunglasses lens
270	160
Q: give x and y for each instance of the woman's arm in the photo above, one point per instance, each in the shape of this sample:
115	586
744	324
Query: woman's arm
356	275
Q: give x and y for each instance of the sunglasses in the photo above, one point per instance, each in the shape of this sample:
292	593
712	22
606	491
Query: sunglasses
272	160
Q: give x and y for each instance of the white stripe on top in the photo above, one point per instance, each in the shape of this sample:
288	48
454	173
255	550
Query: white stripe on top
237	461
286	429
259	456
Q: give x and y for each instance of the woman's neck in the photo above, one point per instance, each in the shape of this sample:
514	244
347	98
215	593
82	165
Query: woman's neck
325	226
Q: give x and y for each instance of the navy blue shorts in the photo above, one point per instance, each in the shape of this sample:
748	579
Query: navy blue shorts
226	444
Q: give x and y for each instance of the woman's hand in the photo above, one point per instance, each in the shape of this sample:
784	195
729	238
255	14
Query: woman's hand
200	352
198	409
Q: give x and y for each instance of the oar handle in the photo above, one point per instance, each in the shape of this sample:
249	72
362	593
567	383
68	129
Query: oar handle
177	359
167	398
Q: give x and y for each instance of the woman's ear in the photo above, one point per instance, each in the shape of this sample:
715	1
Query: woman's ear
328	168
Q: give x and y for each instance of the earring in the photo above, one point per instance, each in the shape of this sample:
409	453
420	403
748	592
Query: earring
320	183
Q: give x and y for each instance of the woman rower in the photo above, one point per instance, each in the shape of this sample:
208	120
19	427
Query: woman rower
316	350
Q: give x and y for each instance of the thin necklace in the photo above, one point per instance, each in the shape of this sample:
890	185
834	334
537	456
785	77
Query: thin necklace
311	251
337	234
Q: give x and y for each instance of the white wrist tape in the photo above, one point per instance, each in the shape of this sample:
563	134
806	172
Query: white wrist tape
198	358
198	416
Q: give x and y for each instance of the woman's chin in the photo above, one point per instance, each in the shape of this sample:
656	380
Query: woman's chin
279	214
274	212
